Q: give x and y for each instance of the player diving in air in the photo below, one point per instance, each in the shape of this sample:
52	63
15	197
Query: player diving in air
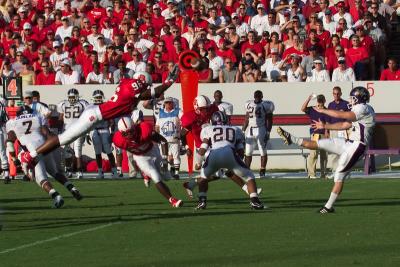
127	96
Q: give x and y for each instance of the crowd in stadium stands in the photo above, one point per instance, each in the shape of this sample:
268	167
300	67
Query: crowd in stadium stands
99	42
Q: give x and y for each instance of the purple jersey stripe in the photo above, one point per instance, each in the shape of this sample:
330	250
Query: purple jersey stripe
362	130
354	158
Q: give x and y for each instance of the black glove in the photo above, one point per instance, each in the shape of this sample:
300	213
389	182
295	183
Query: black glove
173	75
17	163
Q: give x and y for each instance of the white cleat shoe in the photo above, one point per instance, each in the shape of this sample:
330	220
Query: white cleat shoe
58	202
68	174
79	175
146	182
259	191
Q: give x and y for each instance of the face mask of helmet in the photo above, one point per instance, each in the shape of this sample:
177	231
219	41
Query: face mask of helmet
98	97
358	95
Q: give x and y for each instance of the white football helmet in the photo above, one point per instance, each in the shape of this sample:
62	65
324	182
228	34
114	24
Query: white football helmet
144	77
73	96
97	97
201	101
125	124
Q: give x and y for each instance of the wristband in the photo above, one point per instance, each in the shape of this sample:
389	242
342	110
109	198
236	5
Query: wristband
204	146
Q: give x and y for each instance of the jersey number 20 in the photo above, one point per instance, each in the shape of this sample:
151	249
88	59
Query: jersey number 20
219	134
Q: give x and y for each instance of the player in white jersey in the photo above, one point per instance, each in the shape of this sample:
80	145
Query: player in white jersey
223	106
3	150
37	107
168	125
102	140
226	149
70	110
257	127
29	128
360	120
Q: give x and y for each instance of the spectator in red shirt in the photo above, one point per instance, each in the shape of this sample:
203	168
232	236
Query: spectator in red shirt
31	52
357	10
357	57
225	52
37	65
331	59
157	20
40	30
392	73
177	50
310	7
27	34
118	10
160	48
16	25
252	45
7	39
155	76
159	64
96	13
199	23
46	77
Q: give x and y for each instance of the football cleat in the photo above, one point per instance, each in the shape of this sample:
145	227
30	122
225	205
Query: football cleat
326	210
7	180
287	138
176	203
256	204
68	174
58	201
79	175
189	190
146	181
262	173
100	175
26	178
76	194
176	176
201	205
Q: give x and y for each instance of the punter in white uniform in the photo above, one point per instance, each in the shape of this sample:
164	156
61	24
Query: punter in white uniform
168	125
70	110
3	150
360	120
28	127
101	138
226	147
257	127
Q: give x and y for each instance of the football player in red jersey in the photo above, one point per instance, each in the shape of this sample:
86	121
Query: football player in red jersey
138	139
127	96
193	121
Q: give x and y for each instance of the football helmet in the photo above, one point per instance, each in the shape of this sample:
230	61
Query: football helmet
201	101
137	116
219	118
358	95
144	77
97	97
73	96
24	110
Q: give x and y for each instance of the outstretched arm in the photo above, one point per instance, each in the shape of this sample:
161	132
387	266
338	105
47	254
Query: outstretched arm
347	115
159	90
334	126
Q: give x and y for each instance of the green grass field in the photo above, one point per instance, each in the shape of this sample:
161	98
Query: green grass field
122	223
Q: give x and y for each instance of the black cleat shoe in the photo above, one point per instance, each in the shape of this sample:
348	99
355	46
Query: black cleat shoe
7	180
287	138
25	178
201	205
175	176
76	194
262	173
326	210
256	204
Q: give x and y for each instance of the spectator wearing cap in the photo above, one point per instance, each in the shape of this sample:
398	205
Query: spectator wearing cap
215	63
97	12
316	134
357	57
101	48
294	72
252	45
83	56
157	19
308	61
27	74
23	13
225	52
241	27
136	64
329	24
6	70
65	75
95	33
275	43
392	72
46	76
27	34
37	64
341	7
259	21
65	30
229	73
141	44
343	73
122	72
171	4
57	56
310	7
374	32
95	76
250	72
271	66
318	73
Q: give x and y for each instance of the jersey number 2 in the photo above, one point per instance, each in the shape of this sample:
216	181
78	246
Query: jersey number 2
28	129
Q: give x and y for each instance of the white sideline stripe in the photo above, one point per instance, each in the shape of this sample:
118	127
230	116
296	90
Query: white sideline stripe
58	237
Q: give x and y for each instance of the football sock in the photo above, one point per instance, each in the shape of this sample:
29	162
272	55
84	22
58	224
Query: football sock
253	195
192	184
331	200
68	185
244	187
119	169
6	173
100	170
53	193
297	140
